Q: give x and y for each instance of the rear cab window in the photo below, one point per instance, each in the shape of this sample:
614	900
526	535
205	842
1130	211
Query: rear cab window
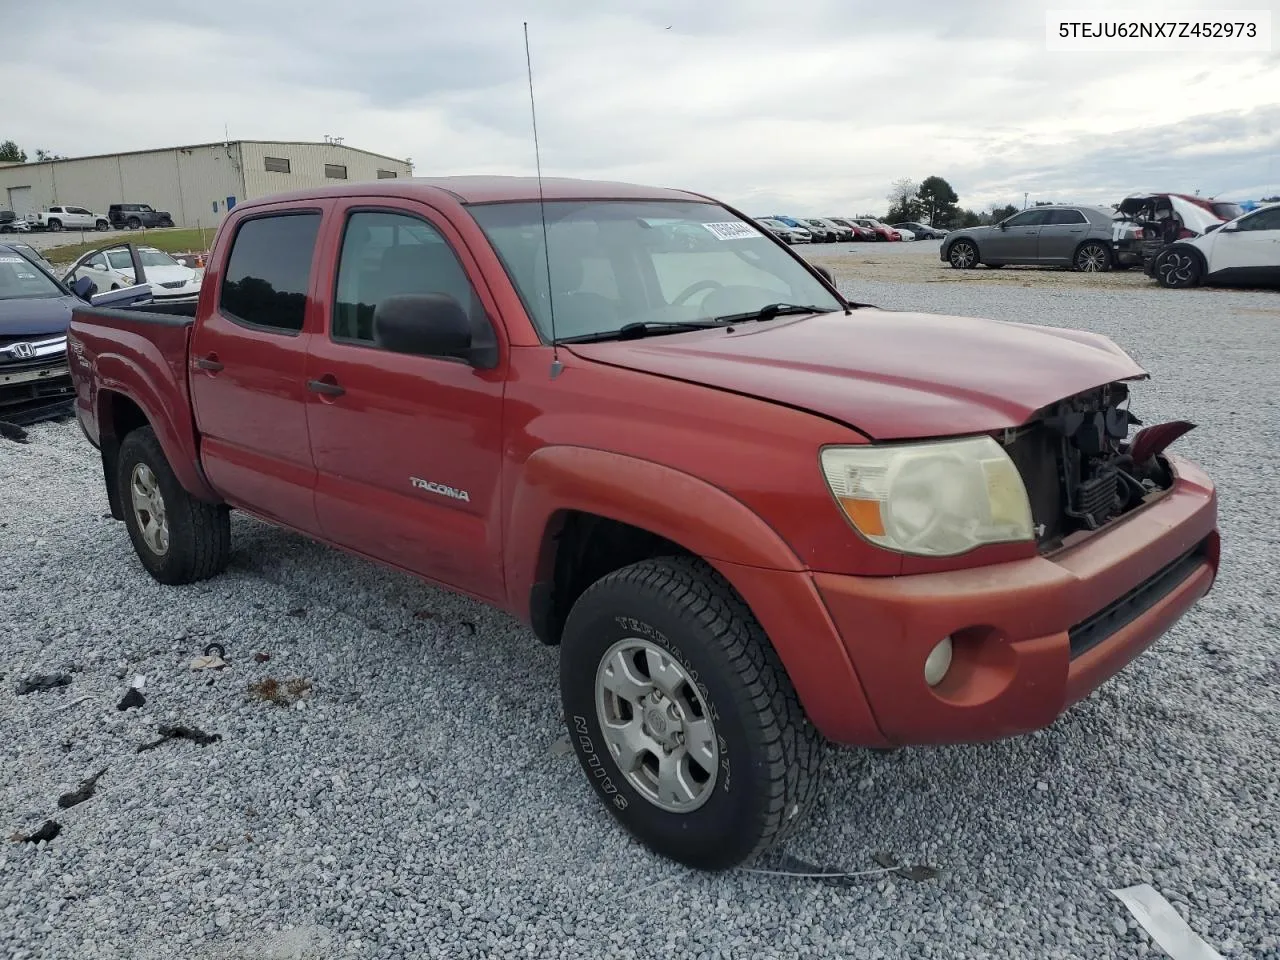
268	272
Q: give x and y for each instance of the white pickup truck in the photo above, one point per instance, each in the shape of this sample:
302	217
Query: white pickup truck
58	218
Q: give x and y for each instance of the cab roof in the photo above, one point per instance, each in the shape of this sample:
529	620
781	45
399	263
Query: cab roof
482	189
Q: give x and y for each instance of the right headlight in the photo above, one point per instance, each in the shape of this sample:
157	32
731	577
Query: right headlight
934	499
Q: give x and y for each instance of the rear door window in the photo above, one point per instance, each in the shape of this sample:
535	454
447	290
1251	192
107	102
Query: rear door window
268	274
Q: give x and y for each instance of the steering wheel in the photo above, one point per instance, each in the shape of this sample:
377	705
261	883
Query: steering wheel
693	288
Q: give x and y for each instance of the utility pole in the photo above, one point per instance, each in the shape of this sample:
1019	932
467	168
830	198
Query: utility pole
1024	200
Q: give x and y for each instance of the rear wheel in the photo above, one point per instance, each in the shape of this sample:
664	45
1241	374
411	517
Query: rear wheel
963	255
178	538
134	223
1093	257
1178	269
682	716
55	226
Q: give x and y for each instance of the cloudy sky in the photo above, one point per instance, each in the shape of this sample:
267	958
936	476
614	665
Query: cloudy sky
806	106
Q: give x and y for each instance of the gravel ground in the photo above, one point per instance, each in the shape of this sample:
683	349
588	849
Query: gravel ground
417	803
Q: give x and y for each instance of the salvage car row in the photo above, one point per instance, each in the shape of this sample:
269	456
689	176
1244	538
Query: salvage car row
1180	241
833	229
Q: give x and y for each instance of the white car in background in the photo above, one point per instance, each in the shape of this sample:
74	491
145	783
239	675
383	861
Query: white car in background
111	268
58	218
1245	250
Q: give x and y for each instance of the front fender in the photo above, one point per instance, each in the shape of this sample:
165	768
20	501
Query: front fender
712	524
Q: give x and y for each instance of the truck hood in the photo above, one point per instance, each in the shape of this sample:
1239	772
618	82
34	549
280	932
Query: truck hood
892	376
35	317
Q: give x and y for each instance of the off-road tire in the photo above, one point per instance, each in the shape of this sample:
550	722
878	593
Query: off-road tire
199	532
134	223
963	255
769	753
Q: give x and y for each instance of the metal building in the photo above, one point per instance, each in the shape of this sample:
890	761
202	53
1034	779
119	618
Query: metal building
197	185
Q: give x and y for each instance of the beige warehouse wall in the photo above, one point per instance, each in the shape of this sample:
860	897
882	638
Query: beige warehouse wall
185	181
307	162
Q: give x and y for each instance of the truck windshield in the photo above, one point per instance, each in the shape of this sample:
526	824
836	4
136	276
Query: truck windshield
615	262
22	280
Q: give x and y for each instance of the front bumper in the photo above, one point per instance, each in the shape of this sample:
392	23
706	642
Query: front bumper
1030	637
29	395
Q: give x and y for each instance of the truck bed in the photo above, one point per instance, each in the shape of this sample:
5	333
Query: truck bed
136	354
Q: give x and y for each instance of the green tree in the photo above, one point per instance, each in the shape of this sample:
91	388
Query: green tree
936	201
43	154
10	152
903	204
1002	213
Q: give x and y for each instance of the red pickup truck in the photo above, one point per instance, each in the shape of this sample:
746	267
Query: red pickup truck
753	515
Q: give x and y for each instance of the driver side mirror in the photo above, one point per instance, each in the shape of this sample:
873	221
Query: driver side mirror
84	288
1003	225
429	325
1226	228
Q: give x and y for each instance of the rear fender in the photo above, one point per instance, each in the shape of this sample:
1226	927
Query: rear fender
709	523
146	385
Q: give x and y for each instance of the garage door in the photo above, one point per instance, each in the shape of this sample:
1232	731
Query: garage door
20	201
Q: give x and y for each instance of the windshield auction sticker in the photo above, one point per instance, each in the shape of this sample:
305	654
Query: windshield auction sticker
735	230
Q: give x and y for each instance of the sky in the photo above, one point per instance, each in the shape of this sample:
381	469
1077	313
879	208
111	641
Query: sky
801	107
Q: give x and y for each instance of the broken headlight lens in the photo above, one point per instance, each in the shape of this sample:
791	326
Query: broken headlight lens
934	499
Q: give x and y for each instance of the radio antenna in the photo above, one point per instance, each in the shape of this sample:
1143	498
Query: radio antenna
556	366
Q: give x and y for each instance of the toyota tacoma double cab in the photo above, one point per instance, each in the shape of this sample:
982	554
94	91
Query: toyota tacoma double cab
753	515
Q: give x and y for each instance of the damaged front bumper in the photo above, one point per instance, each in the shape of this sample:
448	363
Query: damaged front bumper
36	392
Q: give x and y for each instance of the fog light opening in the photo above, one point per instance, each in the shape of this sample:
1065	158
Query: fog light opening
938	662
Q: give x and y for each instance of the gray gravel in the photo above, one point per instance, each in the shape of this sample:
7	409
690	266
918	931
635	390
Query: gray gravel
416	804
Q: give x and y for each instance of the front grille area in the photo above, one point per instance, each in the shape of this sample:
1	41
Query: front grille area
174	284
1037	454
1089	633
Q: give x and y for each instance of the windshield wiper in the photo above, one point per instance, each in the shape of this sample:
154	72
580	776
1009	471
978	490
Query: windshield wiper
770	311
647	328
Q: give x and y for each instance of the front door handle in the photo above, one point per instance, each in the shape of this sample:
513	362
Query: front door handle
325	387
211	362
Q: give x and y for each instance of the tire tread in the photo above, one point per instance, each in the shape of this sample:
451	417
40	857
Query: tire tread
793	746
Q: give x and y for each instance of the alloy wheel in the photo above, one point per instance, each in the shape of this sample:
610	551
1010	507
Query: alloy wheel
657	726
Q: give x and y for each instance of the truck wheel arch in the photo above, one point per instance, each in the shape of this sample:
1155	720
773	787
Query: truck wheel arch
118	414
654	510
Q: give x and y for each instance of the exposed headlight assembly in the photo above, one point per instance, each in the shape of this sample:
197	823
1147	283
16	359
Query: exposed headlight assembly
934	499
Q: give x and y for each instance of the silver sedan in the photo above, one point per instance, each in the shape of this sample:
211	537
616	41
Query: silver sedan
1064	236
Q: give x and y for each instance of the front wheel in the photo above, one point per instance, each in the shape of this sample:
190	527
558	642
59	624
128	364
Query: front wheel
682	716
102	226
178	538
134	223
1093	257
963	255
1177	269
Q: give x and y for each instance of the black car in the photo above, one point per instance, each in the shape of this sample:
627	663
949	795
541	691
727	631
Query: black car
35	311
132	216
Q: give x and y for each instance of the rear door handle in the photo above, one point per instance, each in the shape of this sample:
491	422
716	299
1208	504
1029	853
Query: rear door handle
325	387
211	362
